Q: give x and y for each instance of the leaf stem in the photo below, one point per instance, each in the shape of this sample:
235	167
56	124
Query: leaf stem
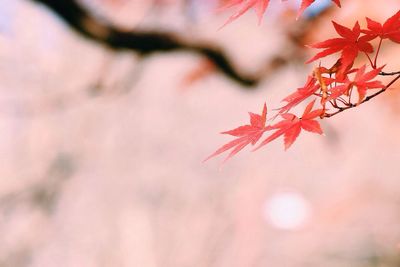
370	61
377	53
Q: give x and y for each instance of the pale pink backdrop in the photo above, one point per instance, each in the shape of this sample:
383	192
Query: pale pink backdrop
113	175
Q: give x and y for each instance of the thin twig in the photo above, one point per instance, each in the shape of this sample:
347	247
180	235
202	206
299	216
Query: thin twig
389	73
365	100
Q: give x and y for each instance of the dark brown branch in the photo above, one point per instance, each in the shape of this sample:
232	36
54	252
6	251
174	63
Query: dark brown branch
365	100
389	73
143	43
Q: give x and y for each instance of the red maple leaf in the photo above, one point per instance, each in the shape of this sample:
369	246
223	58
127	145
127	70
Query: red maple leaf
246	134
292	125
244	5
303	93
350	44
362	81
306	3
389	30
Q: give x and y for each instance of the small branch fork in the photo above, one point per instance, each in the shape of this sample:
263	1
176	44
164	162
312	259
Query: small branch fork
352	105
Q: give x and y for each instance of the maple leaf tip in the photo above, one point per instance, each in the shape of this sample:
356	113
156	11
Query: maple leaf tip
206	159
256	148
309	61
221	27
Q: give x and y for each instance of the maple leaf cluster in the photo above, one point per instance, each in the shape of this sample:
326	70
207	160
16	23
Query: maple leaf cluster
327	91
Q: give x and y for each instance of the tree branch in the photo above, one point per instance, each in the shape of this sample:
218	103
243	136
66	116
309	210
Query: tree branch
389	73
143	43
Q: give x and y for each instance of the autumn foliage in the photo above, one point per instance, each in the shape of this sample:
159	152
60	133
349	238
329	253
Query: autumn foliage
327	90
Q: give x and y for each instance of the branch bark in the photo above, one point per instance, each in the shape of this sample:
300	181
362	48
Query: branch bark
143	43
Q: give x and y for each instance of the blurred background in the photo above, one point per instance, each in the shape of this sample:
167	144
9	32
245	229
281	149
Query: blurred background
101	149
